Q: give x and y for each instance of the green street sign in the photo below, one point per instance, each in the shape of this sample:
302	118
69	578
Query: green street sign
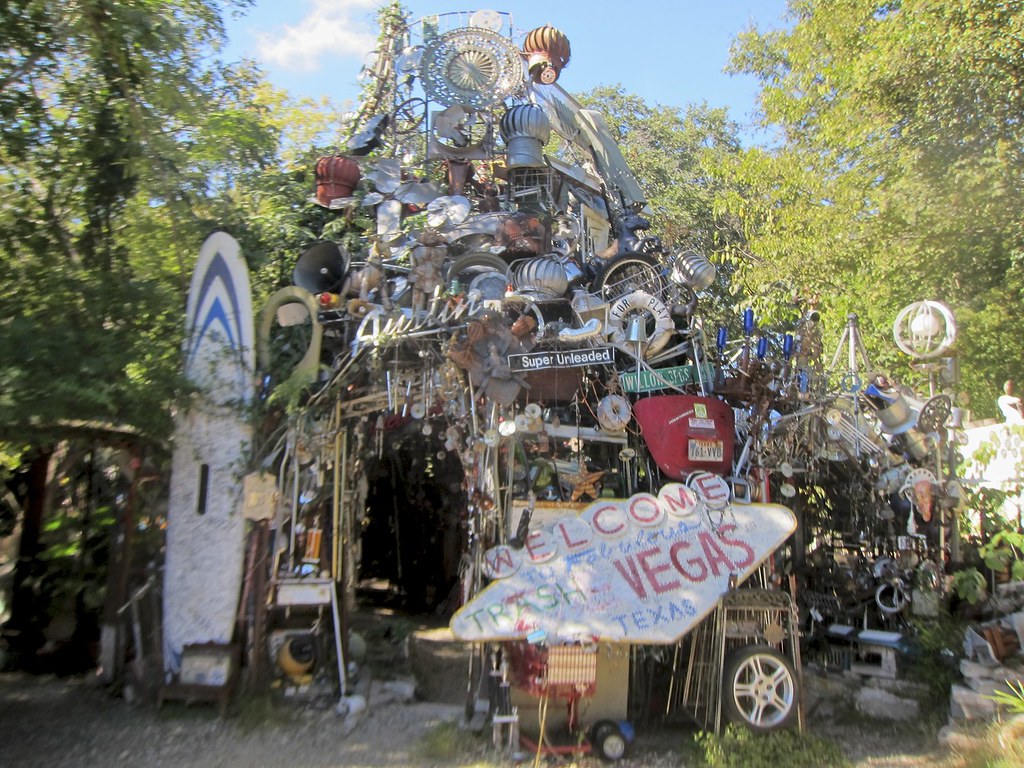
662	378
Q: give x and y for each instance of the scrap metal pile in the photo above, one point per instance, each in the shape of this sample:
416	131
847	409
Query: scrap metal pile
513	314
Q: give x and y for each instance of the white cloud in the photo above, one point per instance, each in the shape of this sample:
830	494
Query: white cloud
330	28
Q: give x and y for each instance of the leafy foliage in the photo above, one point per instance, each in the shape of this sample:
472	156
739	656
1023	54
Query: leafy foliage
677	156
934	648
1013	699
102	100
738	747
898	172
124	142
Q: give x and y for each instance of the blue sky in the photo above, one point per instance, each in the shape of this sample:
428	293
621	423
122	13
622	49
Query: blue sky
667	53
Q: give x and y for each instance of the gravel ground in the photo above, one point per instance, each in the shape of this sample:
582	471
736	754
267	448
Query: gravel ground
55	722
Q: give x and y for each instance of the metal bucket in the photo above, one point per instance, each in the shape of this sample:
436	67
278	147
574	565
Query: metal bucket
898	417
524	152
916	444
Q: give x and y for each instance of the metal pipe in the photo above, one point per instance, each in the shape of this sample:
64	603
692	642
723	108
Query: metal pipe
340	455
295	506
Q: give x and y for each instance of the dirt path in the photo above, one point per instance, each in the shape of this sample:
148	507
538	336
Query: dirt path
48	721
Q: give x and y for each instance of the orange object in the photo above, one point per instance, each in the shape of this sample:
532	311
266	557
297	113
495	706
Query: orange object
547	51
336	178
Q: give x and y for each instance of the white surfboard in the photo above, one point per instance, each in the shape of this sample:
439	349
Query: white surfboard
205	525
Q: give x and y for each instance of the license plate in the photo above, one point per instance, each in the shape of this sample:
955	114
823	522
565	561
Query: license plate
706	450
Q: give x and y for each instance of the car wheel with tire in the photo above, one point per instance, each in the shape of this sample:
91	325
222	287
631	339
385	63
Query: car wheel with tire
759	688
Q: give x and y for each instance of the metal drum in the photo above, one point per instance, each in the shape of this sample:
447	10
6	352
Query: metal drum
693	270
542	277
525	129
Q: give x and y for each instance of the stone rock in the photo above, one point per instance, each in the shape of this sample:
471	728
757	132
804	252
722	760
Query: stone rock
825	695
1017	622
972	669
882	705
972	705
399	690
986	686
1011	590
956	712
907	689
350	706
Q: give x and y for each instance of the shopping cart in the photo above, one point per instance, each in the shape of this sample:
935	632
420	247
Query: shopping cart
566	672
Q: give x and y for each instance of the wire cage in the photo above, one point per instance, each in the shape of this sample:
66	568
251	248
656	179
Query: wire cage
560	671
566	672
747	620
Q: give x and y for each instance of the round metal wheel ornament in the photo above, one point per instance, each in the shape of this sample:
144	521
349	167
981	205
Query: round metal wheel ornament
409	115
935	413
472	66
891	597
759	688
924	329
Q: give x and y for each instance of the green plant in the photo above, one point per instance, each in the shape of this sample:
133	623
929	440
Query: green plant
1001	553
445	741
969	585
933	648
1013	699
998	744
1005	550
737	747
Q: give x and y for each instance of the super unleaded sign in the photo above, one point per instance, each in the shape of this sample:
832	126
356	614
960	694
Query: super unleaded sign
641	570
573	358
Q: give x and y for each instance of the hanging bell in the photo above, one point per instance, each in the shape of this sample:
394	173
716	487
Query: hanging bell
636	330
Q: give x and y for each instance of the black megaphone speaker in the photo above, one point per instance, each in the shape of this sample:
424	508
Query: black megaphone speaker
321	268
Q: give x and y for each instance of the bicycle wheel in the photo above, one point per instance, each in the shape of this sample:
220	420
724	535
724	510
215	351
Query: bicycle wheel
409	115
627	273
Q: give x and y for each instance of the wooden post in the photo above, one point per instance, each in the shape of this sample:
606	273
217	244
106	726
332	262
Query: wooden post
111	660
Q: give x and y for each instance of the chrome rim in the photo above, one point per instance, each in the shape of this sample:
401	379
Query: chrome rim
763	690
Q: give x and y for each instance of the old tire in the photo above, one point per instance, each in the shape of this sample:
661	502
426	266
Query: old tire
759	689
607	740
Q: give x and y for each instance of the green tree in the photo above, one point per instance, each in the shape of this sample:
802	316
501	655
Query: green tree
677	156
123	142
897	173
669	153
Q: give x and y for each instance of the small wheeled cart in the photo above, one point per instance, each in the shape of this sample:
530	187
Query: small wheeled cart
566	672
